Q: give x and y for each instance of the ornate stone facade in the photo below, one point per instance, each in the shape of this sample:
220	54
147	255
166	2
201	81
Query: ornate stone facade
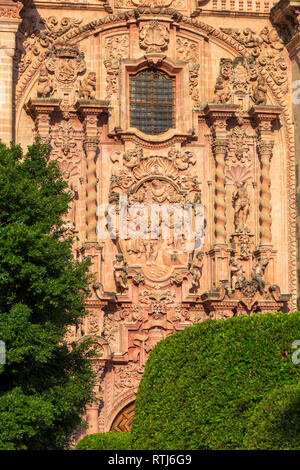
228	155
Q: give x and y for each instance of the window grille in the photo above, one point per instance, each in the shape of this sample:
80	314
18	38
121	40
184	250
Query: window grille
152	99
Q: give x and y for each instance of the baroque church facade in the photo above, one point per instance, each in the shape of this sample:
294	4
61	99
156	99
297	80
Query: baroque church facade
168	103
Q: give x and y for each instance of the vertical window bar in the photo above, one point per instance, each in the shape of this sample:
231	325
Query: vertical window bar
152	101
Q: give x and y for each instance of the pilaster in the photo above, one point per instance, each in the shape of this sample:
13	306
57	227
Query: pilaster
9	23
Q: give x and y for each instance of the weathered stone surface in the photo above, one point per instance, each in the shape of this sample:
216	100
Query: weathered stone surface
229	152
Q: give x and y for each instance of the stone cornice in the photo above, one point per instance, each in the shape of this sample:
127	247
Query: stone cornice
10	11
287	13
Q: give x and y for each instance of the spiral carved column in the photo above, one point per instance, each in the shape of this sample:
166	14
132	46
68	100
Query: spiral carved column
91	146
264	117
265	151
90	110
219	149
217	116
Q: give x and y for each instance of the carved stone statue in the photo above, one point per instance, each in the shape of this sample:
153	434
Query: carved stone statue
195	269
120	267
45	87
241	204
258	271
260	92
222	91
88	87
237	273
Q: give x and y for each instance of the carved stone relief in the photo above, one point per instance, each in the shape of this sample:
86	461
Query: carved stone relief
238	83
161	181
178	4
116	47
188	50
154	37
265	49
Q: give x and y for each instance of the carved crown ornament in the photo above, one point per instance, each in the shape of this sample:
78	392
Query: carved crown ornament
154	36
239	83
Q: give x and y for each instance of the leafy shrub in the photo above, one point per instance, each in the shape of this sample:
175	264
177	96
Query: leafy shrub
105	441
201	385
44	385
275	423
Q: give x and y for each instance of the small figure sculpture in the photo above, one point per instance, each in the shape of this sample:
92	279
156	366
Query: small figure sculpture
44	88
258	271
120	267
88	87
195	269
260	92
222	91
241	204
237	274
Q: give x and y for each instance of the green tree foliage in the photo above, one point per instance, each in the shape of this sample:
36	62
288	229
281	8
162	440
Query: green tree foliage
275	422
105	441
44	386
201	385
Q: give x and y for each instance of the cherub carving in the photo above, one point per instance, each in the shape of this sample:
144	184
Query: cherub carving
237	273
258	271
195	269
120	267
45	88
259	95
222	91
87	89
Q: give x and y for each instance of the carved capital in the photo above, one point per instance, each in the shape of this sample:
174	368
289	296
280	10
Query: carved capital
220	146
91	143
217	116
264	116
265	147
41	109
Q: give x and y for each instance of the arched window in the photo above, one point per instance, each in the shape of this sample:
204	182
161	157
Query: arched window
152	102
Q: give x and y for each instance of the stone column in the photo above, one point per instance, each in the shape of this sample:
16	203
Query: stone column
286	15
9	23
220	149
41	110
217	116
265	219
90	110
91	147
263	117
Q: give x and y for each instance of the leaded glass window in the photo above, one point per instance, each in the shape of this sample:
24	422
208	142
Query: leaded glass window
152	96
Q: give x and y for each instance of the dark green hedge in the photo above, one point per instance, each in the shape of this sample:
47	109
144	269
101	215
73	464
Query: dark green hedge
275	423
201	385
105	441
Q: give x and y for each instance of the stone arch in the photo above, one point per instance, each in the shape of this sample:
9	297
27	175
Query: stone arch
124	407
